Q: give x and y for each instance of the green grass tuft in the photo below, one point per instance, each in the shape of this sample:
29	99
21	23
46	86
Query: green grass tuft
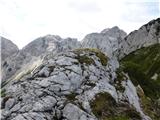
86	59
2	92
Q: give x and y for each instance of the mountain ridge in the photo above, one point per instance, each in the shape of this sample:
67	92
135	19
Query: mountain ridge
62	79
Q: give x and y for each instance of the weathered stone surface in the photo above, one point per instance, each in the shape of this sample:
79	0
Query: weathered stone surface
107	41
72	112
34	51
8	48
62	87
146	35
52	81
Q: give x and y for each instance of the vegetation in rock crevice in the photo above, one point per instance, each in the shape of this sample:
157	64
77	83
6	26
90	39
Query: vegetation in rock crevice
119	79
150	107
104	107
88	60
2	92
85	59
71	96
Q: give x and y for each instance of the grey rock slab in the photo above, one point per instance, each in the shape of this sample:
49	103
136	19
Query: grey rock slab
72	112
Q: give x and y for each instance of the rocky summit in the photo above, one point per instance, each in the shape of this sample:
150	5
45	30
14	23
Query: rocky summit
107	76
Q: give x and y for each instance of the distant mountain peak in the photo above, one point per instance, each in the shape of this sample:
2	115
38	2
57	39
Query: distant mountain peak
8	48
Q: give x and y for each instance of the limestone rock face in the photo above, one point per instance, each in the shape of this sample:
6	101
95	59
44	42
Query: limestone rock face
107	41
35	51
62	79
63	86
148	34
8	48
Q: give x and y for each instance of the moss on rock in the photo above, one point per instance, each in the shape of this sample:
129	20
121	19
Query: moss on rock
92	51
103	105
3	92
119	79
120	117
85	59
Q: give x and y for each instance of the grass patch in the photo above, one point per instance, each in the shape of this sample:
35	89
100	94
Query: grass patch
102	57
118	81
85	59
2	92
150	107
105	107
120	117
141	65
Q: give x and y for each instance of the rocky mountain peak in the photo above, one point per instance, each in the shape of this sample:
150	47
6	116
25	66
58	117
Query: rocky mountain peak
8	48
146	35
114	32
41	45
108	40
36	50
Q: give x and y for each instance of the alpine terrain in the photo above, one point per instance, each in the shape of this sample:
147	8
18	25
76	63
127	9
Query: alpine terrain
107	76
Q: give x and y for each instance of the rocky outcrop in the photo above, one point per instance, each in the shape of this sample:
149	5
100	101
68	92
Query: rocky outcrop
35	51
64	86
107	41
148	34
8	48
51	81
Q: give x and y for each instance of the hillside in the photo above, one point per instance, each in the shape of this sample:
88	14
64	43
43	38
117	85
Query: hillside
143	68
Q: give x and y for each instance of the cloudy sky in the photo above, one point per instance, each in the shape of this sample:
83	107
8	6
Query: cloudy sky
24	20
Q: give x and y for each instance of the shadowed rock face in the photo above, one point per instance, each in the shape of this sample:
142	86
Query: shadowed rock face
8	48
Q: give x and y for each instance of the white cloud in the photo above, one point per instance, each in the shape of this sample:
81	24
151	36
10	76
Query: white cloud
24	20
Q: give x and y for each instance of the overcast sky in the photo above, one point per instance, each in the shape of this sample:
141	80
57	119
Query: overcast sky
24	20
